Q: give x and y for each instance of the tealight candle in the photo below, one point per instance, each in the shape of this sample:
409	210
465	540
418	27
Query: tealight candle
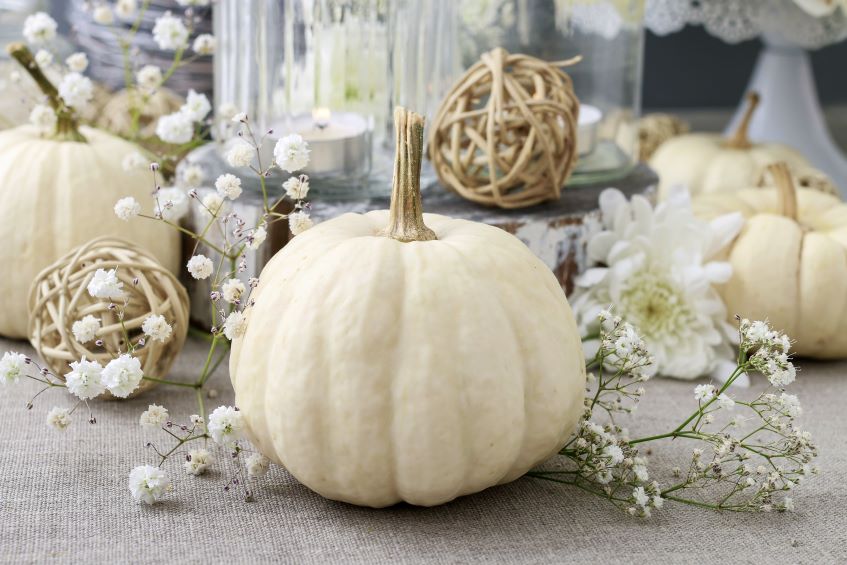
339	141
588	123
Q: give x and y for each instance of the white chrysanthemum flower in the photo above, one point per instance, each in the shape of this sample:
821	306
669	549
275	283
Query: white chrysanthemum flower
43	58
122	375
204	44
725	401
85	379
257	238
291	153
657	267
43	117
226	111
126	9
127	208
154	417
103	15
149	77
135	162
192	176
86	329
232	290
199	461
12	367
77	62
239	117
39	28
212	204
296	188
157	327
105	284
235	325
226	425
298	222
176	128
59	418
76	90
257	465
200	267
171	203
148	484
704	393
240	154
196	106
228	186
170	33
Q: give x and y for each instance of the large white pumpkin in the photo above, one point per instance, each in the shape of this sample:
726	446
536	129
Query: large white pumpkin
59	191
407	364
707	163
789	262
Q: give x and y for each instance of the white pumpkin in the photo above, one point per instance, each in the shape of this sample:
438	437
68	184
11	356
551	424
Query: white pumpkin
407	364
789	262
707	162
58	194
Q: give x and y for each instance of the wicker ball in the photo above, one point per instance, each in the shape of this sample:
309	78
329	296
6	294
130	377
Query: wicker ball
655	129
59	297
806	177
116	117
505	135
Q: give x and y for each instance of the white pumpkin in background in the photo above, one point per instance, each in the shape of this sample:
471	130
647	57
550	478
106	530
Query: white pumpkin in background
59	192
789	262
384	361
707	163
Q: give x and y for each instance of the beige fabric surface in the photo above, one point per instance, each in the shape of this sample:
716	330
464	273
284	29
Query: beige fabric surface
64	498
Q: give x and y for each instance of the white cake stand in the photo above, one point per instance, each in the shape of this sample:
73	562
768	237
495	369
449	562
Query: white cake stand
790	112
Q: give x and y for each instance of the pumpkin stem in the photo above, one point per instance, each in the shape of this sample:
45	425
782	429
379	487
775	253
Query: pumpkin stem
405	221
787	191
739	139
67	126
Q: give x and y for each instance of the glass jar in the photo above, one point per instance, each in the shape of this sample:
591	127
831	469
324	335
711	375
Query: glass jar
436	41
314	67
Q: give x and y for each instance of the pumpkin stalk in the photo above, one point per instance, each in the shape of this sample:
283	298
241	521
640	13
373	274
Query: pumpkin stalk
405	220
786	189
739	139
67	126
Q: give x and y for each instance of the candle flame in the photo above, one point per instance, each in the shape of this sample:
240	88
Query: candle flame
321	117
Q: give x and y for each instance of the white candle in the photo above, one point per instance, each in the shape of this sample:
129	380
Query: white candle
588	123
339	141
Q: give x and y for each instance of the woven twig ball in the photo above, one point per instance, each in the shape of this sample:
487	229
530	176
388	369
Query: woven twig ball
655	129
59	297
117	118
505	134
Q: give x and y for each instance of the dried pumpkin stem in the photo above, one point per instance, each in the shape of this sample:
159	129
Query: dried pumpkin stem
405	221
67	126
787	191
739	139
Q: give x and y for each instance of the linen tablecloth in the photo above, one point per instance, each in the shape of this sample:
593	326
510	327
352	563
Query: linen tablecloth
64	498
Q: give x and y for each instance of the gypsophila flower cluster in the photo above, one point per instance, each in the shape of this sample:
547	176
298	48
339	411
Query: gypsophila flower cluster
744	463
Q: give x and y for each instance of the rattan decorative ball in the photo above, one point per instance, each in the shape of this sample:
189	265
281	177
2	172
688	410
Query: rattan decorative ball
655	129
59	297
505	134
117	118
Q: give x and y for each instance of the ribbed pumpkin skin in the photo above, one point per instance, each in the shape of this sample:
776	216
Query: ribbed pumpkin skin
702	163
793	274
57	195
377	371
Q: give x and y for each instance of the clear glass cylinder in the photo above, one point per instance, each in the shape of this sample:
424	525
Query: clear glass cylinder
435	41
314	67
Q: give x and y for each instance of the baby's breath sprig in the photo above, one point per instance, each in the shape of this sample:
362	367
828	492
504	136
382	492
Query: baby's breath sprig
743	463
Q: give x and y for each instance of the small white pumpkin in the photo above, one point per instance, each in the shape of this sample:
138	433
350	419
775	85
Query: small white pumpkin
59	192
384	361
789	262
707	162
